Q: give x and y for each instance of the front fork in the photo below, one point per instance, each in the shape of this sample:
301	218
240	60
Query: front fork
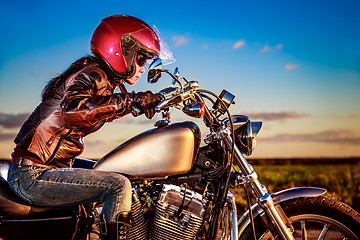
278	219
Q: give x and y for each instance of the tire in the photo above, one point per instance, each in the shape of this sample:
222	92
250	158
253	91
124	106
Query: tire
315	217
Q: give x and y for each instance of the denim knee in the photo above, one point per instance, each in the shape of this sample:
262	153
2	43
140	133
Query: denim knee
120	185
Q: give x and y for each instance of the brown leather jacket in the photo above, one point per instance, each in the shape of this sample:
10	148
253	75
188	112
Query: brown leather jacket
53	134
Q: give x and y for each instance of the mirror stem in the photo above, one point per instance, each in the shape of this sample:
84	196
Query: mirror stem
175	79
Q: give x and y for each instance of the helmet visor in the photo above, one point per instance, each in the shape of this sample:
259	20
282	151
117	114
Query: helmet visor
145	42
166	55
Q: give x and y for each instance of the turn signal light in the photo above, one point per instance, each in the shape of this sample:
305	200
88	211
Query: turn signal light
196	109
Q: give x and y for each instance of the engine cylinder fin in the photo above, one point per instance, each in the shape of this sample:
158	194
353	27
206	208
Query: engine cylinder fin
139	227
169	223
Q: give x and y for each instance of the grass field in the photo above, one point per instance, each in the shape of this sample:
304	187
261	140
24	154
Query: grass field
341	177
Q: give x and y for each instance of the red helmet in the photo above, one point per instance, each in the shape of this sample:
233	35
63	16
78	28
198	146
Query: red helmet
118	38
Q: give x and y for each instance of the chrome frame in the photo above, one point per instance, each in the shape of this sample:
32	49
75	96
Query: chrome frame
233	216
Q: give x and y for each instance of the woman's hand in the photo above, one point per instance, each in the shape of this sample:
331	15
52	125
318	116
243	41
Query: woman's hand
146	102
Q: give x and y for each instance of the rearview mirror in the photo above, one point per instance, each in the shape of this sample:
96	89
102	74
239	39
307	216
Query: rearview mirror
155	70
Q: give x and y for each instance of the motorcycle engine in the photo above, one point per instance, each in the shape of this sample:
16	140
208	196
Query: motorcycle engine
179	214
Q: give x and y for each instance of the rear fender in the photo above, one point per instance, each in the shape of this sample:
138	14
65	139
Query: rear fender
278	198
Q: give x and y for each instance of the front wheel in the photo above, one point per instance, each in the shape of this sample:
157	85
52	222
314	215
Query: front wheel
313	218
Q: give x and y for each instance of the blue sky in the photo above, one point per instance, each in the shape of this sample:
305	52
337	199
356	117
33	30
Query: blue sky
293	64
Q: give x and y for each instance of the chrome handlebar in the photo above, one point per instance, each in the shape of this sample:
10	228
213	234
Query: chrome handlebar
173	96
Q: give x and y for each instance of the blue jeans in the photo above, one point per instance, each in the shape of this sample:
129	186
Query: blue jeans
50	187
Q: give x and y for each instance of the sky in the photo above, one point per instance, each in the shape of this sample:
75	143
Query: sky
295	65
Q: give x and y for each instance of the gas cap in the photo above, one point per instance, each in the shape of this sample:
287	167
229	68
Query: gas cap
162	123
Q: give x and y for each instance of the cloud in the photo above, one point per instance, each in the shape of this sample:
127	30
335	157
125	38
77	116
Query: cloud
12	120
54	74
5	137
279	46
95	144
239	44
291	66
336	136
277	116
141	120
268	48
352	115
180	40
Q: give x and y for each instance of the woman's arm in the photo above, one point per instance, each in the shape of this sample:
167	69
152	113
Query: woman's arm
84	102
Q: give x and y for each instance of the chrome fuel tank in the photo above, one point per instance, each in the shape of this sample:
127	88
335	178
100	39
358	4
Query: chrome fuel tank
156	153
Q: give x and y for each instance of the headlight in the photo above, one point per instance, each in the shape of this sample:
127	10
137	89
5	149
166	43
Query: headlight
245	133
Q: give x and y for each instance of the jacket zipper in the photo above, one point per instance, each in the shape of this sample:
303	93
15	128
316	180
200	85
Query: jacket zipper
57	146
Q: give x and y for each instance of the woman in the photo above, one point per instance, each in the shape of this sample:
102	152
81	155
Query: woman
75	104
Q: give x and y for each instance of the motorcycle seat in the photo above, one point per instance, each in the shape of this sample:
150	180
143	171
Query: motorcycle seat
83	163
13	206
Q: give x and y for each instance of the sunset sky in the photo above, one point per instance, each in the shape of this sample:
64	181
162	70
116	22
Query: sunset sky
295	65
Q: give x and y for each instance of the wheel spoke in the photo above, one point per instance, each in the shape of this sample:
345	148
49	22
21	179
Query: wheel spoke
303	230
324	232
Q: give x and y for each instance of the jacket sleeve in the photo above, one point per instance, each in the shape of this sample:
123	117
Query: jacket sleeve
86	101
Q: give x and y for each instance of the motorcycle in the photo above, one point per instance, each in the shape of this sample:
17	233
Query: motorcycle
181	189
